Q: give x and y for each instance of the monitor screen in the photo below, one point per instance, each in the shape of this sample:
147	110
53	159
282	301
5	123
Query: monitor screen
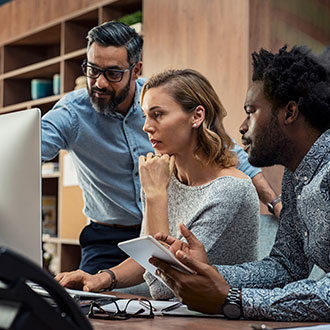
20	183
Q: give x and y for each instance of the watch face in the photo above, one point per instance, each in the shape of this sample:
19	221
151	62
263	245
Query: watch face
232	310
270	208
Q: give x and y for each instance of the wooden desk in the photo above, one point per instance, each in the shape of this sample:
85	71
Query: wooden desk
188	323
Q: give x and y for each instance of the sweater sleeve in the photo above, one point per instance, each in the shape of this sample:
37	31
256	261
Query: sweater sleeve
228	231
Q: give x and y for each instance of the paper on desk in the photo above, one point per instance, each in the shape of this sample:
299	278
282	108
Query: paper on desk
159	305
184	311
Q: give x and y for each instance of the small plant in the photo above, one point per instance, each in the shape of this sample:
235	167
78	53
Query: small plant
131	19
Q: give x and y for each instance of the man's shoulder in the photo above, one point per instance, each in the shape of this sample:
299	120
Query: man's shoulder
140	81
139	84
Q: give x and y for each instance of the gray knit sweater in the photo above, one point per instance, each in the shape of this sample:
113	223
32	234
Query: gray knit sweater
223	214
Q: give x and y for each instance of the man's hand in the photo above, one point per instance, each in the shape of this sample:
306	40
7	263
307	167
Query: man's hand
205	291
194	248
80	280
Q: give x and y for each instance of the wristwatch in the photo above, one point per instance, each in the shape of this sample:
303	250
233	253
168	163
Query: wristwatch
232	307
272	204
113	278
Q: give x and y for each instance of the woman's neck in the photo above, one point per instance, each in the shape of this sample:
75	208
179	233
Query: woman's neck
193	172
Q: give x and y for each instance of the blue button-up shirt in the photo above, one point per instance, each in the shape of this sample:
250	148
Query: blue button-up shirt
276	287
105	151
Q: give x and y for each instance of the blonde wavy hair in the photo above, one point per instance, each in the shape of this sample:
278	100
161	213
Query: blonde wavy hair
190	89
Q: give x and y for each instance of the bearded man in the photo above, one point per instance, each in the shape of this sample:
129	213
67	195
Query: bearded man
101	128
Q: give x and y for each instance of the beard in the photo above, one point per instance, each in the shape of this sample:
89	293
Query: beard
102	106
270	146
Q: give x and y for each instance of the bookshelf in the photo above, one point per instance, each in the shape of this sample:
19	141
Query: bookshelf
57	47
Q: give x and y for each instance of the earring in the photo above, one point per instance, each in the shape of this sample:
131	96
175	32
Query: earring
194	125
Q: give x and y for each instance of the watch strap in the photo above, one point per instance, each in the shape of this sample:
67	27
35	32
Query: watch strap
272	204
234	299
113	278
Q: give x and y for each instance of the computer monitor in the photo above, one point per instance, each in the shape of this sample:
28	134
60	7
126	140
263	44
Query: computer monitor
20	183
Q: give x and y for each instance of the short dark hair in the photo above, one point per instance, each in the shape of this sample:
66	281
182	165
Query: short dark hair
117	34
296	75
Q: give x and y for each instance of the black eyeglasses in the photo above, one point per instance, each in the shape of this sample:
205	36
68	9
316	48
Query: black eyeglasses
97	312
112	75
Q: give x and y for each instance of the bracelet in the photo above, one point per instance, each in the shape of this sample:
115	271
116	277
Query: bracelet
272	204
113	278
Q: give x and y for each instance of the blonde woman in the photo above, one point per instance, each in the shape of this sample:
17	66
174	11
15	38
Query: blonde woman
191	178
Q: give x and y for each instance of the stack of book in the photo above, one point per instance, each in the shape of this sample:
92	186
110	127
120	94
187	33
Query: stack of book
49	168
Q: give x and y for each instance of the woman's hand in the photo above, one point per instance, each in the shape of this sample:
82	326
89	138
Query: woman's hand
155	172
80	280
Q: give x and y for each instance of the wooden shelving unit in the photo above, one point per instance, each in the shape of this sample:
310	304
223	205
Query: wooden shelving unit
57	47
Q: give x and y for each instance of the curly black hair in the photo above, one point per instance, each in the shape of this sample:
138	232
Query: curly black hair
296	75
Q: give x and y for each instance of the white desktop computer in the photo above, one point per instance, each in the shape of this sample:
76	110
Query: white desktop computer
20	183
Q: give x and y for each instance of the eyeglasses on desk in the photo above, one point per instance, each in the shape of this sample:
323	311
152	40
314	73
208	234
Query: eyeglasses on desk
97	312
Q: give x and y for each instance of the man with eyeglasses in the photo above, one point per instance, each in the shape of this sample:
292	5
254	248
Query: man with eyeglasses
101	128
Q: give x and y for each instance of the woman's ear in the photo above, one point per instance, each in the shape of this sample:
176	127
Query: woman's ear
198	116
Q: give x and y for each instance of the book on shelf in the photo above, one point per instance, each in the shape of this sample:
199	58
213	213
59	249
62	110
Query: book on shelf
49	168
49	224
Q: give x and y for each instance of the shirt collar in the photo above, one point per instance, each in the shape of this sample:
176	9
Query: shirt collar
308	166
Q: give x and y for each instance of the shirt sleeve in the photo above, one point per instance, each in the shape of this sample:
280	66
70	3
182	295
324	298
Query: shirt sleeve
286	263
58	128
304	300
243	163
286	294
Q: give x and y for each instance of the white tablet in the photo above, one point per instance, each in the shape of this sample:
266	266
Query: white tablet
141	249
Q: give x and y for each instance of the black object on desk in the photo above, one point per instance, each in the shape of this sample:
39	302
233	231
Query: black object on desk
22	308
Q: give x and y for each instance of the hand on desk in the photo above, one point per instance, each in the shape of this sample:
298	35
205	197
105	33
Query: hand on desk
206	290
81	280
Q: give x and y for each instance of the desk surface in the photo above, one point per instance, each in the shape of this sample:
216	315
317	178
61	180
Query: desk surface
188	323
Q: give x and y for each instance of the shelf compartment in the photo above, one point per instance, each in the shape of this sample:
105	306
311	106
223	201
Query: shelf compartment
72	70
17	89
43	104
76	29
35	48
70	257
43	69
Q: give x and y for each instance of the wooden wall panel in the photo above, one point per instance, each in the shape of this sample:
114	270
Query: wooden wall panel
215	37
209	36
20	16
274	23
